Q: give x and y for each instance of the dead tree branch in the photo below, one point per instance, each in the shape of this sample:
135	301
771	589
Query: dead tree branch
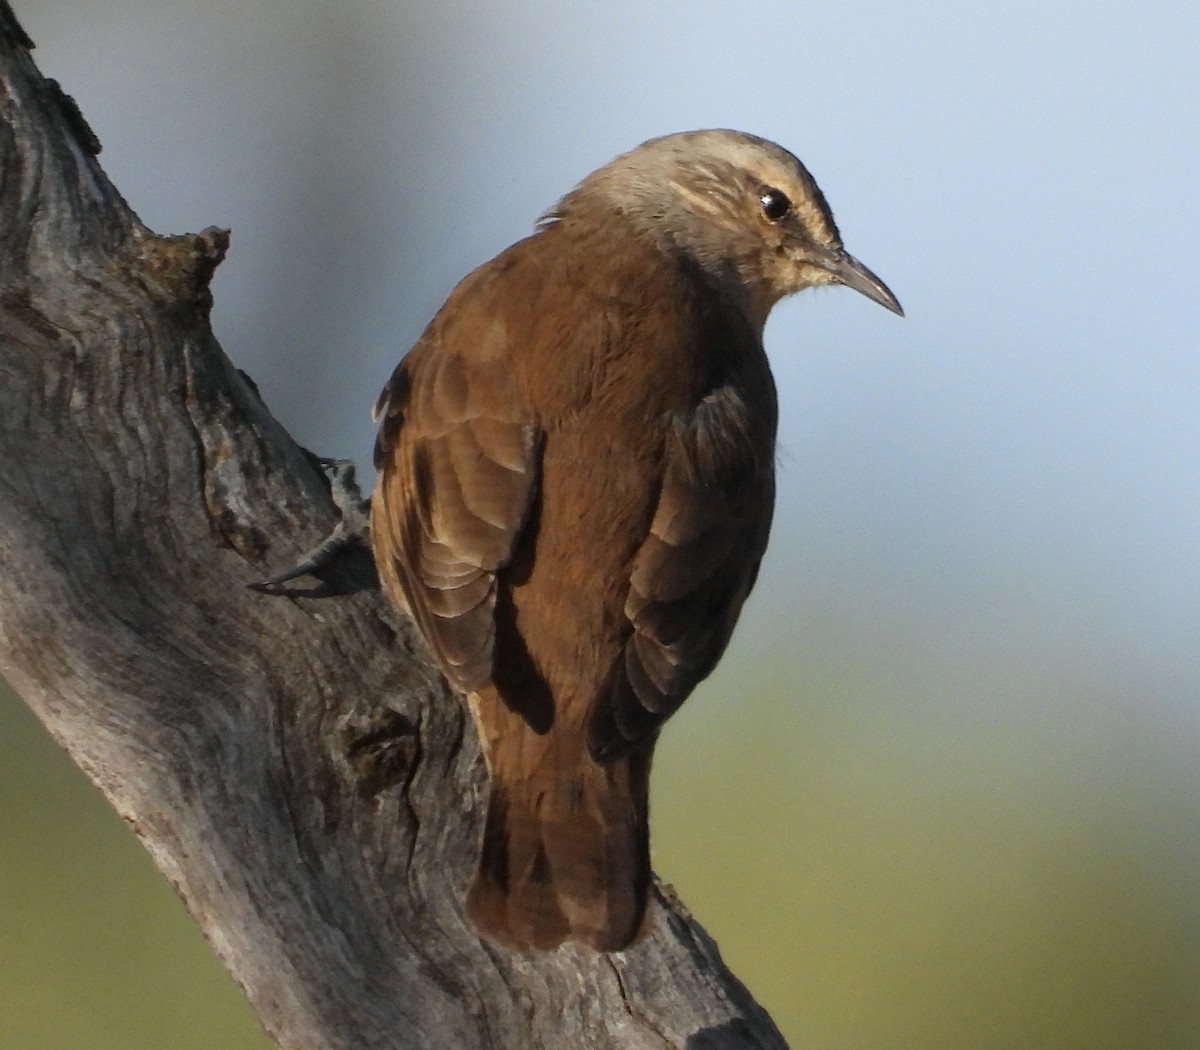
295	766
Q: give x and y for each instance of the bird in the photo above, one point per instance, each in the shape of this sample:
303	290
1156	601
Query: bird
575	489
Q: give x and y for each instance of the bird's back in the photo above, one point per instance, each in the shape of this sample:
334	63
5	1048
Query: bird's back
576	487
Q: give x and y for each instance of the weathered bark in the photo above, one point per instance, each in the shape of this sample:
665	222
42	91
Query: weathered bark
296	766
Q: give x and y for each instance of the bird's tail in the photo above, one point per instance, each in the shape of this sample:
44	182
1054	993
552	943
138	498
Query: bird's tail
565	852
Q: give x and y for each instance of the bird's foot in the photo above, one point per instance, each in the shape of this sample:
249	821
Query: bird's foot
351	531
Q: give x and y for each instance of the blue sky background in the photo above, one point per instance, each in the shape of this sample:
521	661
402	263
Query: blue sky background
954	748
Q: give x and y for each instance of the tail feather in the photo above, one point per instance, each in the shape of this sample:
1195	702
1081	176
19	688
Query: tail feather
565	857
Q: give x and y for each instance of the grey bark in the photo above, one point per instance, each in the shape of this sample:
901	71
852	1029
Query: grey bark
296	766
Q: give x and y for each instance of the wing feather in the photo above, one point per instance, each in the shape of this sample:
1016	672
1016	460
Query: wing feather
692	572
458	474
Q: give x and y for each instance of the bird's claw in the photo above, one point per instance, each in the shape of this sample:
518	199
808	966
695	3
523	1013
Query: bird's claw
351	530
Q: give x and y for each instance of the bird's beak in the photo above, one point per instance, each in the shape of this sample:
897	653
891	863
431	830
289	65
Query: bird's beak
849	271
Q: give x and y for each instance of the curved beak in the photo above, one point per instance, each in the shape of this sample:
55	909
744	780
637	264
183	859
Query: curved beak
849	271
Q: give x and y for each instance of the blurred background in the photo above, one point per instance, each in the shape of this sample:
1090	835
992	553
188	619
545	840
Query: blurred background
944	791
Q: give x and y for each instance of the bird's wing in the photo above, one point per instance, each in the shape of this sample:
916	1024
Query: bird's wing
458	475
693	571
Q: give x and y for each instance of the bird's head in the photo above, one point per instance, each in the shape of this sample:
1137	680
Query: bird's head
742	209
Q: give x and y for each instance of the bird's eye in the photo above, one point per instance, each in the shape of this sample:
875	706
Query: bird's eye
775	204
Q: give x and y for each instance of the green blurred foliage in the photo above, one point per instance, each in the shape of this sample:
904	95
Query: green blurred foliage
876	880
879	883
98	951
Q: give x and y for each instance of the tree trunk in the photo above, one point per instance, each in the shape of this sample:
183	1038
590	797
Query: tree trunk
295	765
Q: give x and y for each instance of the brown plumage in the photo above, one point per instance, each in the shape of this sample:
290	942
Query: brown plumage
576	485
